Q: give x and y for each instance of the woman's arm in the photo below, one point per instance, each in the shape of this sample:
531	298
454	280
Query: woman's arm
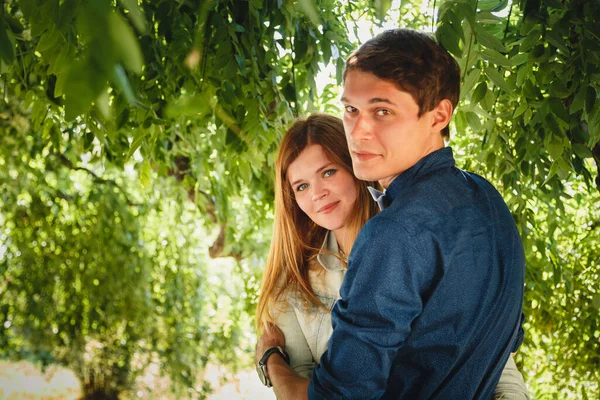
511	385
296	346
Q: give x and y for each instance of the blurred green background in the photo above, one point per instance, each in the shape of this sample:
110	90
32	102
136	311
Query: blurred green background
136	171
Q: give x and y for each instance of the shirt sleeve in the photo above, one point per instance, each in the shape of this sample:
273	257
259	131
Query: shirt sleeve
520	335
381	296
511	385
296	345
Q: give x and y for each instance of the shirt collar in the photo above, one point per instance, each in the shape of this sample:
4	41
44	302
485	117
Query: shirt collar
437	160
327	255
379	197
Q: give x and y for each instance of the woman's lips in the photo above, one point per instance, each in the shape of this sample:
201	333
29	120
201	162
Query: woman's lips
328	208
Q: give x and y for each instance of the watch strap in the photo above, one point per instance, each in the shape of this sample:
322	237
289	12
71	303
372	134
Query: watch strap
262	364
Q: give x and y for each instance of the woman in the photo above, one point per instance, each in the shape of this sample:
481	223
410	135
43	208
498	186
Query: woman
319	208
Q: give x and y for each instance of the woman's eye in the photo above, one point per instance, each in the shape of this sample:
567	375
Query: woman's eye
329	172
301	187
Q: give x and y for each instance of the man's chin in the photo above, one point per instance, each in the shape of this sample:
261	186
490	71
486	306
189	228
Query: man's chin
365	175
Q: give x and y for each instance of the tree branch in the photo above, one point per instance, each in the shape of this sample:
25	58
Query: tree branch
97	179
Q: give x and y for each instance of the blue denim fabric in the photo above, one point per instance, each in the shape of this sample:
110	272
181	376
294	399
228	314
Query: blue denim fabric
431	303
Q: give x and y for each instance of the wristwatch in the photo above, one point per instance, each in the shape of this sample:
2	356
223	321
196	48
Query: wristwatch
261	368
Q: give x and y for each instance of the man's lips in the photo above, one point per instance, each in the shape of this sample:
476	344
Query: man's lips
364	156
326	209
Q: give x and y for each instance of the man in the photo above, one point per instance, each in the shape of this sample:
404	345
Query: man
431	302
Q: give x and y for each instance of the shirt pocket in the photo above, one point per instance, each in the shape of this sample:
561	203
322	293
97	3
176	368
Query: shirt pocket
322	327
315	321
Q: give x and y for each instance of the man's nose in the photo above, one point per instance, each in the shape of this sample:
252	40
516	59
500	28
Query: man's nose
362	129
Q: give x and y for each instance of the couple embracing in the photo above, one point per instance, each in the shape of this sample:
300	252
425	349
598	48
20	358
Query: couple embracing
415	293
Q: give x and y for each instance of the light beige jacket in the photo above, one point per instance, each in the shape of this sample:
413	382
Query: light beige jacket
307	327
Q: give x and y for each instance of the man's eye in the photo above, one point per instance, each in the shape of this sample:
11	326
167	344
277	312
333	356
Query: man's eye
383	111
301	187
350	109
329	172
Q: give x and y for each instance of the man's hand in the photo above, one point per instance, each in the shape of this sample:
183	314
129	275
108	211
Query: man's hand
271	337
286	383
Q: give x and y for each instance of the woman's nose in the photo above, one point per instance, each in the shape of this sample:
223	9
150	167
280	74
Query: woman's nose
319	191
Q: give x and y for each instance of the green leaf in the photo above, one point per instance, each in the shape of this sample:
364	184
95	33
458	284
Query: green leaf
382	7
125	43
474	121
498	79
558	109
530	40
48	40
146	175
488	100
121	81
552	124
488	40
553	37
496	58
590	98
522	73
60	84
135	14
596	302
309	9
197	105
523	106
489	5
66	12
582	150
7	45
479	93
470	80
238	27
456	23
538	54
593	121
519	59
500	6
552	172
138	139
102	103
579	100
63	61
559	90
486	17
449	39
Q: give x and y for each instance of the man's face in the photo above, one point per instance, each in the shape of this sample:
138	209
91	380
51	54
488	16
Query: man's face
385	135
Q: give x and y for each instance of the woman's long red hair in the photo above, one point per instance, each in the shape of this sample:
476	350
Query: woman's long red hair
296	238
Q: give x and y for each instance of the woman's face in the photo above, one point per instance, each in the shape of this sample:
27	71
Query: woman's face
325	191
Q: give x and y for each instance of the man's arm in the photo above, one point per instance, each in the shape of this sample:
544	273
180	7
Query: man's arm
287	383
381	297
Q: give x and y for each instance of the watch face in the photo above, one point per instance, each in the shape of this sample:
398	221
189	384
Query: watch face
261	375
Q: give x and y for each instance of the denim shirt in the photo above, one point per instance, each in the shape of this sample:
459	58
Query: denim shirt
431	302
307	327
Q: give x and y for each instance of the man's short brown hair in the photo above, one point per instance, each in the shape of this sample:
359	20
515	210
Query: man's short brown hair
415	62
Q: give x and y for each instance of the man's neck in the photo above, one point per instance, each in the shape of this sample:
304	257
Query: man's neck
437	145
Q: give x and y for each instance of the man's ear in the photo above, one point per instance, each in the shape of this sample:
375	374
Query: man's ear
441	115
